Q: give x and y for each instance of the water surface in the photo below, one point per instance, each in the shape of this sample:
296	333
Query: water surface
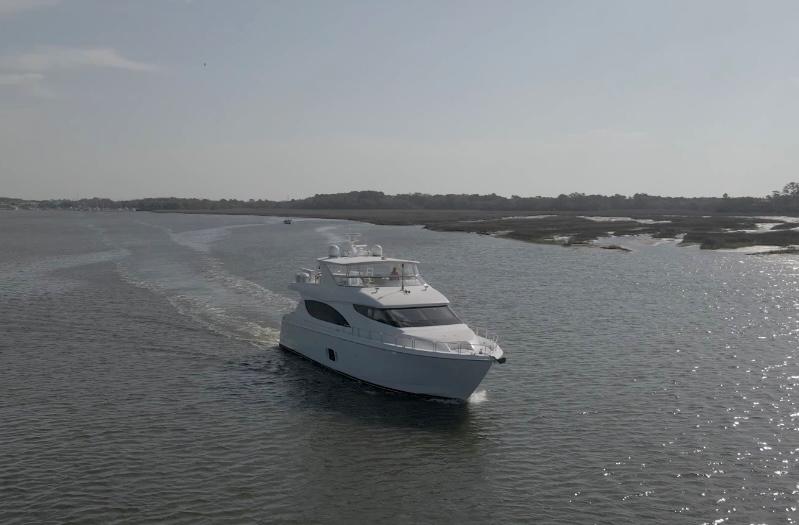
141	382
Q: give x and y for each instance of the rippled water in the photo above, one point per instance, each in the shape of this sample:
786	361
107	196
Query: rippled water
140	382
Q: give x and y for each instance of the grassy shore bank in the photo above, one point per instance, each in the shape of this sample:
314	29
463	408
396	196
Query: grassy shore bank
567	228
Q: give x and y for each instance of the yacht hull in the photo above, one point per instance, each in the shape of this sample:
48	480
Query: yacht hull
433	374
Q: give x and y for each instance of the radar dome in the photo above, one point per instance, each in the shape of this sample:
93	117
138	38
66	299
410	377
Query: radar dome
333	251
377	250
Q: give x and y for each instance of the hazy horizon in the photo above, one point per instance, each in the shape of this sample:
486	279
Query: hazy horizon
300	197
283	100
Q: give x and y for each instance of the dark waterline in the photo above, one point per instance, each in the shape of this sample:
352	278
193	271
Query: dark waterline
141	382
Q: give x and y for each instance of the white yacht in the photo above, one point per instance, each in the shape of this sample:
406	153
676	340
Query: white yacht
375	319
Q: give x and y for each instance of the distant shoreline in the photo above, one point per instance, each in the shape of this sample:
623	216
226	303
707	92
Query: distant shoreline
716	231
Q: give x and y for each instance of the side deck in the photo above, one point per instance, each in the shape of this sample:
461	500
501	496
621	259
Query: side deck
486	347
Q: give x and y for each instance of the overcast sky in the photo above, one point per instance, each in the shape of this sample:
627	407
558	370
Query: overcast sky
286	99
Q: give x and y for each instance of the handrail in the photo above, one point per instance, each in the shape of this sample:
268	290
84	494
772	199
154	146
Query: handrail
486	346
370	281
367	281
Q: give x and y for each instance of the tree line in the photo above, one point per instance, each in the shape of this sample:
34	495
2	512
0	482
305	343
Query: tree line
781	201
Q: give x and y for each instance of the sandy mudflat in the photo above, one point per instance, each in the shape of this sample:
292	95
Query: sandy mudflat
570	228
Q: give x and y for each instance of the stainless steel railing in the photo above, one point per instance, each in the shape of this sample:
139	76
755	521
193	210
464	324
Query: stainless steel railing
486	345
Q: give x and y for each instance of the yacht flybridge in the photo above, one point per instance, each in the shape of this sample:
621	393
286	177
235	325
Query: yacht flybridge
375	319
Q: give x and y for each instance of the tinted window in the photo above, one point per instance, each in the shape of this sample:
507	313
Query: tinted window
410	317
325	312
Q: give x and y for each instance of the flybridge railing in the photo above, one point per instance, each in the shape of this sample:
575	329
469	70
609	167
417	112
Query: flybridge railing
377	281
486	346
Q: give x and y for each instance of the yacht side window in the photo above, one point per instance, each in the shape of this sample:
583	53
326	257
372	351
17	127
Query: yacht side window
375	314
325	312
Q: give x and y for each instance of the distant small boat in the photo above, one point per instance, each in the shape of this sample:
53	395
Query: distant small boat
286	221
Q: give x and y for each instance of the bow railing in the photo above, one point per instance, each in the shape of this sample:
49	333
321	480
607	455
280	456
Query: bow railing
486	343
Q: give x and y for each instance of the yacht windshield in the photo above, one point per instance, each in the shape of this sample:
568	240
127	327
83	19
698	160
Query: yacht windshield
410	317
379	273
